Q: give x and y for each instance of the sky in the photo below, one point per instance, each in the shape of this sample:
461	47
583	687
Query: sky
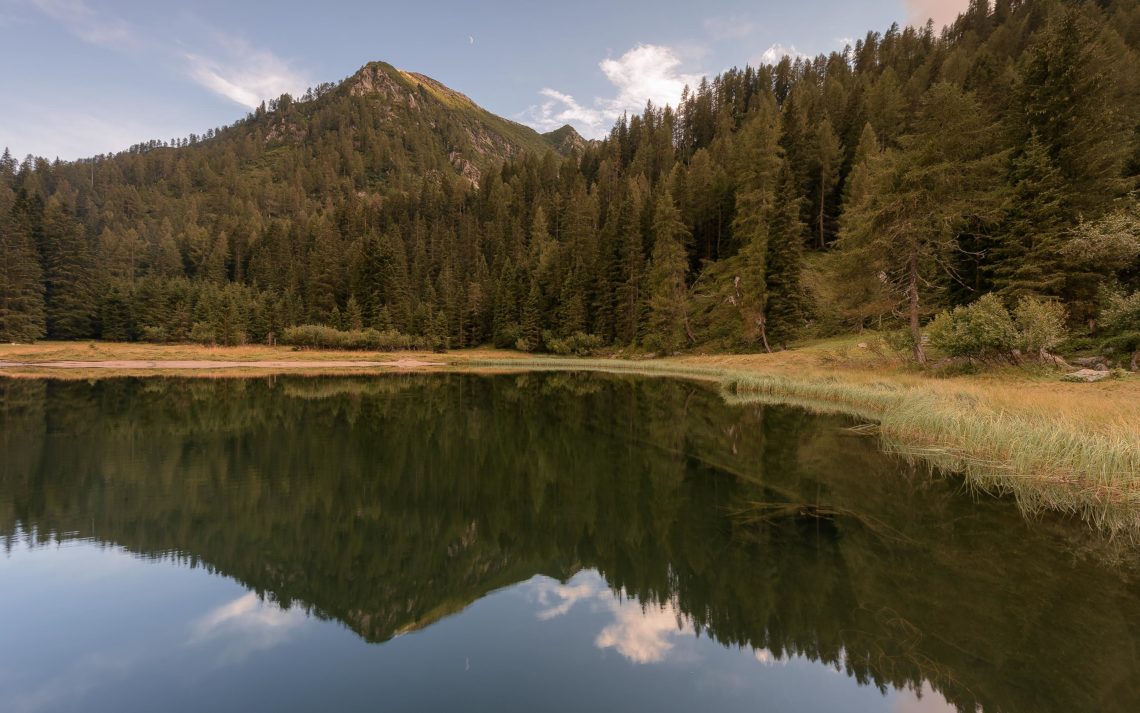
84	77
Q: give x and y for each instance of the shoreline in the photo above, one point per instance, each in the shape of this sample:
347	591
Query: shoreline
1066	447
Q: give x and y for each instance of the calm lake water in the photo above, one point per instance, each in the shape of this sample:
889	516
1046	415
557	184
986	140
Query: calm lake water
562	542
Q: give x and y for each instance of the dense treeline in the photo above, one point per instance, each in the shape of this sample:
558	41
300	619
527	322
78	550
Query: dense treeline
879	185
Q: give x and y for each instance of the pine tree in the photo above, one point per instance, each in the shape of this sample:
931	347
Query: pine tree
631	271
666	279
1066	86
783	313
857	267
530	328
324	276
1028	259
826	160
580	246
945	177
759	158
21	285
70	296
353	316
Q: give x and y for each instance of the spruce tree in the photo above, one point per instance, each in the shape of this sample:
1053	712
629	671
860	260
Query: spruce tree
857	267
783	309
21	279
666	278
826	159
1027	258
631	271
1066	87
945	177
71	295
758	161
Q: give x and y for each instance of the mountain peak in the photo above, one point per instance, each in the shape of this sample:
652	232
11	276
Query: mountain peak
566	140
472	137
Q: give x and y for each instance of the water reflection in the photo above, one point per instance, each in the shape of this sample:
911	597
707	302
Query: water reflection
246	625
641	633
618	506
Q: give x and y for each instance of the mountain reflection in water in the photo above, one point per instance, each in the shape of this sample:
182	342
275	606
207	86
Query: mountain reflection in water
549	539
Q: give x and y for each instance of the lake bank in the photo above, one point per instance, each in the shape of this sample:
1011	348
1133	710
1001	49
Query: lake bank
1071	447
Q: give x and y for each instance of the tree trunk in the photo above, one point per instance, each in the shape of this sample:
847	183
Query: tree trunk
1135	359
689	329
913	305
764	332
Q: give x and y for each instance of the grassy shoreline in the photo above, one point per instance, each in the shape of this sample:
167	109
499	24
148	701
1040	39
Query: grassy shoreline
1060	446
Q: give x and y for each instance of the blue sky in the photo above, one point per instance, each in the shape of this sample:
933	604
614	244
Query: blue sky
80	77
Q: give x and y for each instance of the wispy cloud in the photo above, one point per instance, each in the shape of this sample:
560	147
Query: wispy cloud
224	64
644	73
89	24
249	624
943	12
242	73
44	130
557	598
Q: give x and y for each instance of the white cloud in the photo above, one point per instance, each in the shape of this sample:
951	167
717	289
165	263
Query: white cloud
89	25
226	65
244	74
644	73
249	624
644	635
559	598
776	52
943	12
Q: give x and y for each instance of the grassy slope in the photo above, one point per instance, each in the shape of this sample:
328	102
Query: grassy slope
1055	444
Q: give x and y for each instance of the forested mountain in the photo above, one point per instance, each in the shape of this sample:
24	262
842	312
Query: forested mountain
878	185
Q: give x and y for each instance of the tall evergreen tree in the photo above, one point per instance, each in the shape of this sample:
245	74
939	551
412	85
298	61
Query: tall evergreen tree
1066	89
21	279
70	281
826	159
1028	258
759	157
783	309
945	176
666	277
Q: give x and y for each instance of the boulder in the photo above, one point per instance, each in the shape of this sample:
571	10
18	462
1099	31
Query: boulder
1087	375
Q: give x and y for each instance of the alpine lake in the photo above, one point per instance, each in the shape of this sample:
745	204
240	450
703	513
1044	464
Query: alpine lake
523	542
